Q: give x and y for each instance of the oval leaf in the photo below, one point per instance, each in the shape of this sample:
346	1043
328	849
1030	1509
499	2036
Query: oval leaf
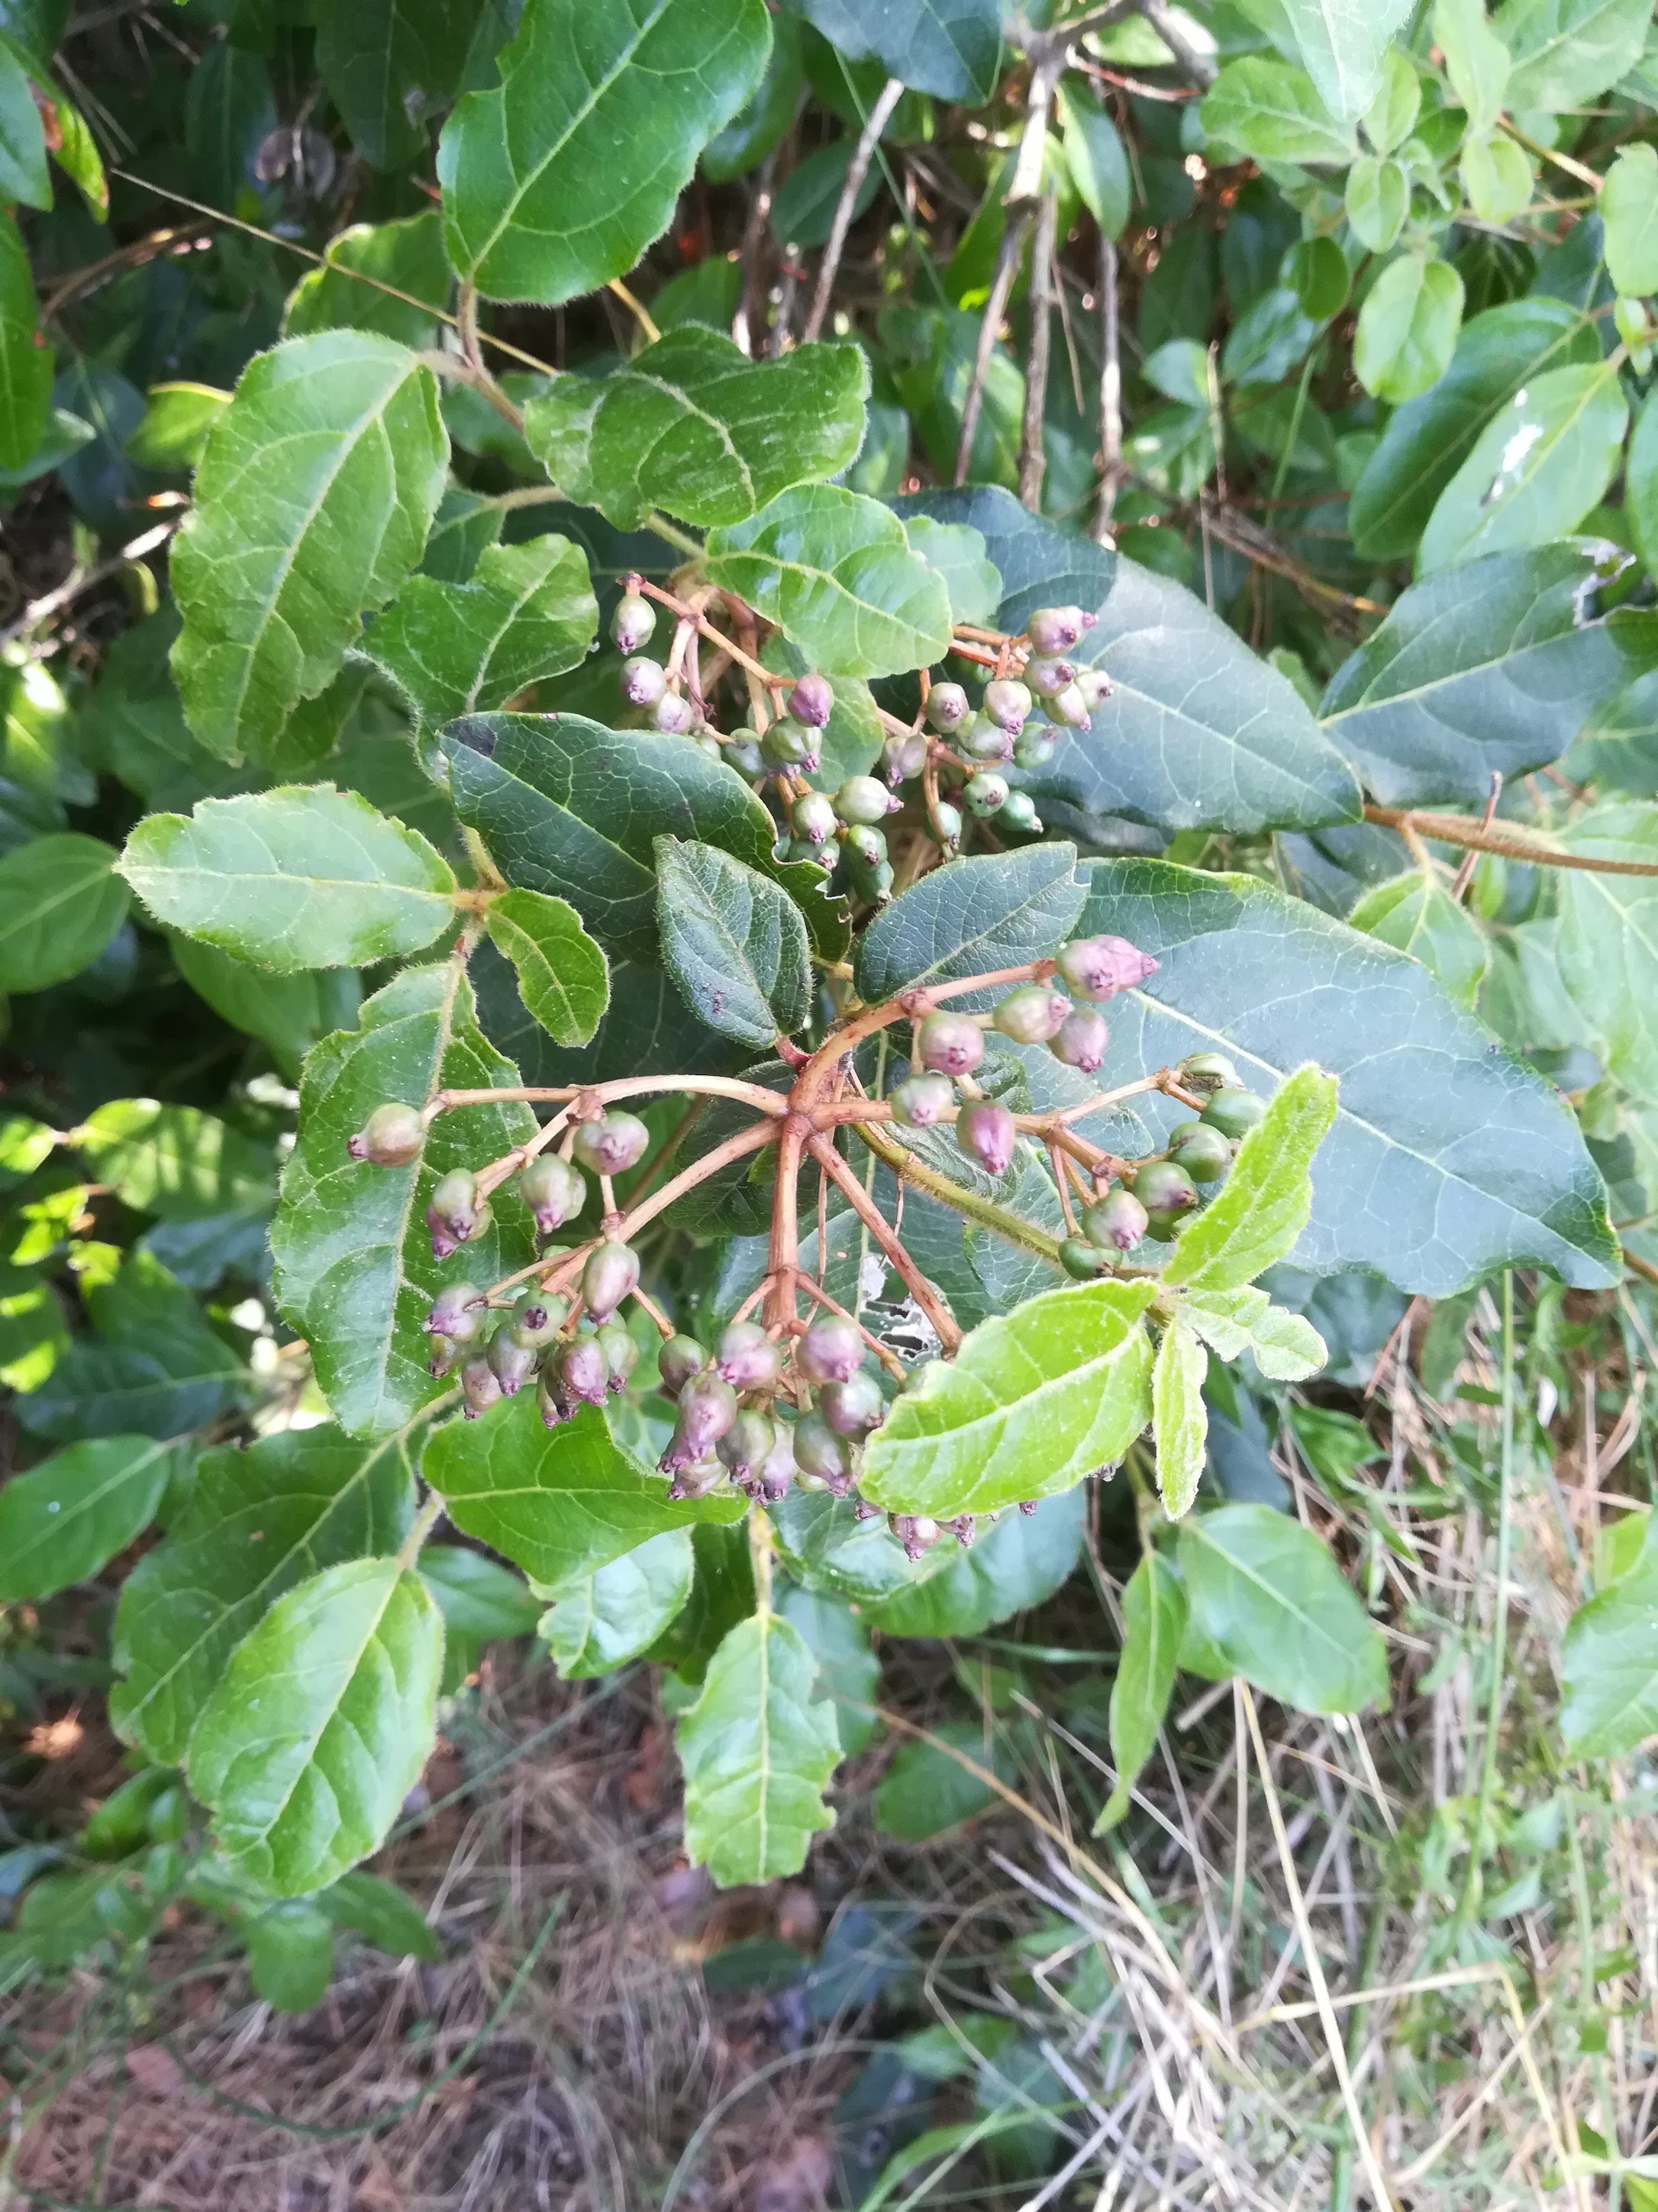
1270	1603
1153	1622
1536	469
1180	1419
611	1616
60	904
562	976
970	918
736	946
63	1521
757	1750
1265	1200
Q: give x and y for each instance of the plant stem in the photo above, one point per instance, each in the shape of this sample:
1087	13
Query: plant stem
1454	830
944	1322
425	1521
660	526
857	170
1010	1227
1471	1879
760	1556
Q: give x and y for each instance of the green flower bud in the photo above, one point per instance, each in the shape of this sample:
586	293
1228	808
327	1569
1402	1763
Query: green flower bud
553	1190
457	1215
1168	1193
986	1131
680	1358
951	1044
830	1351
512	1364
745	757
1118	1223
904	756
786	744
674	715
708	1407
950	822
874	883
922	1101
583	1372
916	1531
392	1136
457	1312
1081	1039
643	682
819	1451
854	1407
1082	1260
747	1444
1007	702
611	1275
614	1144
551	1403
1094	685
947	706
1035	745
1020	813
1046	675
1233	1112
864	798
1031	1014
984	738
633	624
1071	707
537	1318
1203	1150
867	847
778	1472
813	816
746	1358
1209	1070
480	1387
615	1340
987	793
1100	967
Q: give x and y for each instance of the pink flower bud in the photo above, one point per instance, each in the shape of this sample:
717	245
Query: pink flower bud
1100	967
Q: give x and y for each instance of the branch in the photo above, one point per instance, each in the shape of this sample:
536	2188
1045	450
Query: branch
858	169
1455	829
1010	1227
1033	458
1197	64
1110	391
823	1151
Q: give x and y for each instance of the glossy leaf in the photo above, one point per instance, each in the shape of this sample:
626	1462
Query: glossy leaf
614	1614
949	47
562	976
561	1504
1032	1402
320	1726
23	174
1445	1160
734	944
1640	484
927	1790
1497	355
26	364
1343	45
573	809
1535	470
301	876
1493	665
1417	914
258	1521
355	1272
1608	941
970	917
384	62
1477	62
151	1364
479	1599
1377	201
536	205
527	612
693	425
1273	113
63	1521
1094	156
756	1749
1267	1598
314	495
364	271
1180	1419
288	1013
1407	328
1197	733
835	571
174	1161
230	108
1153	1622
60	904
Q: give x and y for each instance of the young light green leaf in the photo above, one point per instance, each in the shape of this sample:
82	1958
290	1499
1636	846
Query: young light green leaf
386	63
527	612
1407	328
177	419
1609	1666
757	1751
363	271
1391	116
320	1726
1568	51
1094	157
63	1520
834	571
1180	1419
1273	113
60	904
1287	1348
1269	1601
536	203
1378	199
1641	482
970	917
355	1272
174	1161
259	1520
314	495
1608	940
956	551
288	1013
1491	666
561	1506
949	47
301	876
1629	209
734	944
693	425
26	364
1032	1402
1153	1622
1477	61
1417	914
613	1614
1535	470
1343	43
152	1364
563	977
1263	1203
1497	176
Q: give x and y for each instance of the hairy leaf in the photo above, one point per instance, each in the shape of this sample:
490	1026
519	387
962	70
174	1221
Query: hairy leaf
757	1751
949	47
527	612
1273	113
1566	51
1344	44
1609	1666
1608	941
562	976
364	271
1180	1419
970	918
1263	1206
1040	564
174	1161
735	944
1417	914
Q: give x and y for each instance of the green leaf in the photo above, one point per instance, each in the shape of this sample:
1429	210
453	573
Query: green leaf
1641	484
1153	1622
613	1615
313	497
570	808
301	876
1263	1206
732	942
848	1672
1031	1403
1094	154
1343	45
561	1506
759	125
1498	354
23	174
1040	564
1180	1419
527	612
290	1956
1608	941
926	1792
756	1752
1446	1159
1567	51
834	571
355	1272
25	363
1629	209
693	425
949	47
1535	470
174	1161
1497	176
1417	914
1016	1563
1197	733
479	1599
320	1726
153	1364
362	268
1493	665
288	1013
385	63
970	917
1268	1598
63	438
562	976
258	1521
60	904
63	1521
930	354
1609	1665
1477	61
177	419
537	203
956	552
1407	328
1273	113
1378	199
382	1914
230	109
